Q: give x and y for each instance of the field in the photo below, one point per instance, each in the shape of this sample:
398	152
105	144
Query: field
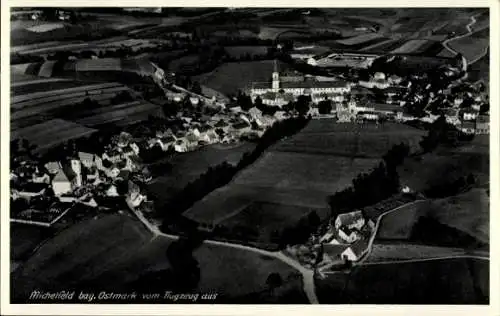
413	46
189	166
51	133
230	77
467	212
473	46
446	281
398	225
396	251
297	174
480	70
368	37
241	51
96	254
40	100
351	140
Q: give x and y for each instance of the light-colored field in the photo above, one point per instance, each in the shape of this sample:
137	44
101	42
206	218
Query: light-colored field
385	251
351	140
360	39
45	27
304	171
104	64
410	47
299	173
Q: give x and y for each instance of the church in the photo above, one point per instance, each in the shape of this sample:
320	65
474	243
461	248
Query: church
284	89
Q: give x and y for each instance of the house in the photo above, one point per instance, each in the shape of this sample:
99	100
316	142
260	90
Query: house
113	172
255	113
355	251
113	155
469	116
468	127
112	191
348	235
483	124
32	189
40	177
53	167
366	115
166	142
180	145
76	168
86	159
351	220
61	183
134	197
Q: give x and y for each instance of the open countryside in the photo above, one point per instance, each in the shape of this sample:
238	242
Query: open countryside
253	155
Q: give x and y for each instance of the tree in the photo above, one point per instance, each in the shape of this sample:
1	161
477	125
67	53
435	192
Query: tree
325	107
196	88
273	281
302	104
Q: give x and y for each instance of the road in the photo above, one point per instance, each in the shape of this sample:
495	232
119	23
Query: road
429	259
469	32
307	275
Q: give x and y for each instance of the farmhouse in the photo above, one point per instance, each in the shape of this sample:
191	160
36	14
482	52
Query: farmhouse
350	220
282	91
86	159
356	250
348	235
483	124
61	183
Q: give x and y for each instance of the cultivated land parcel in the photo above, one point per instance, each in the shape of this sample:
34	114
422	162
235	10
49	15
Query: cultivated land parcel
295	176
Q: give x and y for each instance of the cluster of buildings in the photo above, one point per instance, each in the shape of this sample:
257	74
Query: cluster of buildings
284	89
83	178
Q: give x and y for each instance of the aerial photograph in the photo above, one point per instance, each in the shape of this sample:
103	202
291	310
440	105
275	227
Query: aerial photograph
246	155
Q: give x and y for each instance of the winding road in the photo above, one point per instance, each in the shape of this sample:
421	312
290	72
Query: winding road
307	275
469	32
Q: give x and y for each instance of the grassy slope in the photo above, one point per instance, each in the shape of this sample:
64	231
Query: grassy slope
115	250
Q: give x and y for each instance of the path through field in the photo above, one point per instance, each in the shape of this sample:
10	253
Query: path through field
307	275
469	32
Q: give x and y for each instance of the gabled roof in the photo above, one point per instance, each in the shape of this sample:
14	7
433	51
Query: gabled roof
351	217
85	156
359	247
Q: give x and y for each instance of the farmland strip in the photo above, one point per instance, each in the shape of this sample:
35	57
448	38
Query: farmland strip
43	101
38	95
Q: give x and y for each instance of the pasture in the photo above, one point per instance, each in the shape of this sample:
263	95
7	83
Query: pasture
242	51
296	175
446	281
413	46
351	140
398	251
468	212
474	46
95	254
363	38
51	133
231	77
398	225
189	166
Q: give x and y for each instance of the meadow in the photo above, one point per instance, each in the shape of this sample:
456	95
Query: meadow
296	175
231	77
474	46
95	254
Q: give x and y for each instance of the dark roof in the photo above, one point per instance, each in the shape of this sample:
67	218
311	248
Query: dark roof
167	139
483	119
240	125
468	124
261	85
312	84
385	107
204	128
359	247
347	230
221	123
34	187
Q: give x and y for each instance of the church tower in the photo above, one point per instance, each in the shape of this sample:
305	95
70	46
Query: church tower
276	76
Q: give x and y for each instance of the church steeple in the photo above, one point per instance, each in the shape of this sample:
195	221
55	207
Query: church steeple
276	76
